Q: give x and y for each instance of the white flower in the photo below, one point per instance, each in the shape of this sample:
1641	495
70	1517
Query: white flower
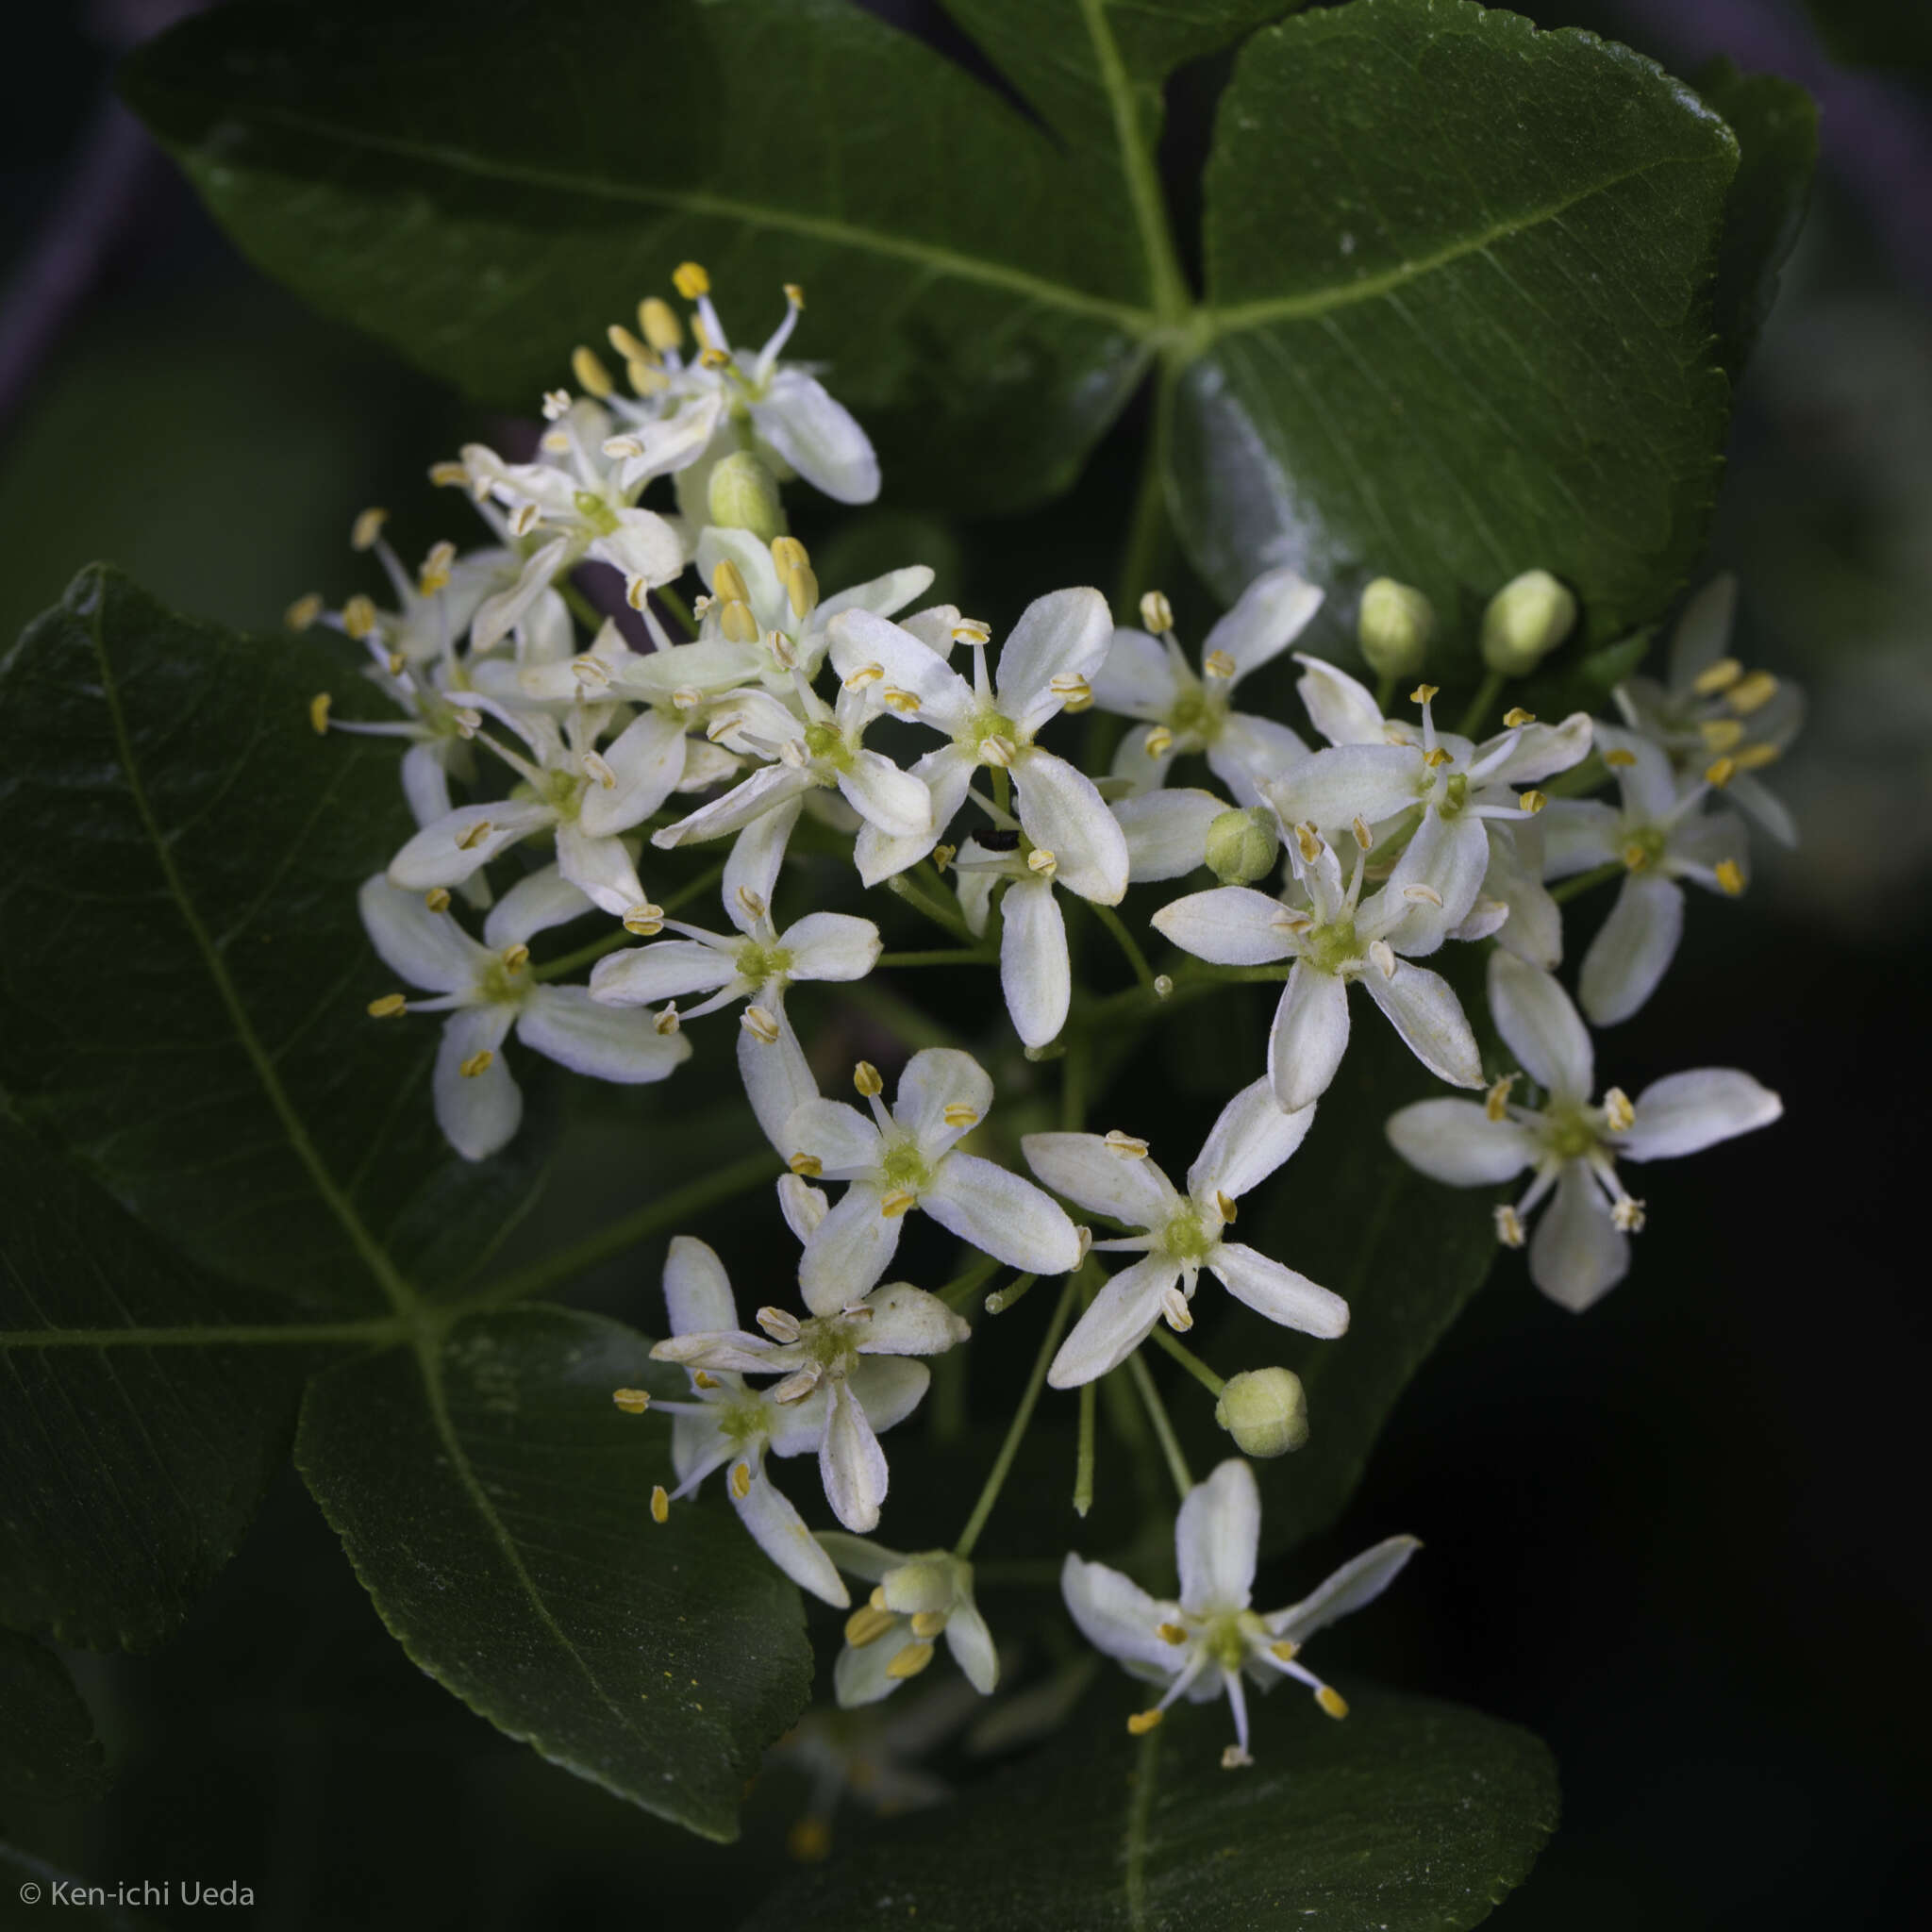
843	1354
1046	663
488	988
756	963
1147	677
433	608
889	1638
1712	707
1336	942
1167	831
908	1158
1580	1248
1179	1234
729	1422
1380	769
1660	836
1205	1644
1036	970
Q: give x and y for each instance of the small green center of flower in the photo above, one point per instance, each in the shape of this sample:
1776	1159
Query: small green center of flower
500	987
905	1168
832	1341
828	742
1196	714
596	512
762	964
1644	845
1454	795
1185	1237
741	1422
1225	1641
1571	1134
988	724
1328	948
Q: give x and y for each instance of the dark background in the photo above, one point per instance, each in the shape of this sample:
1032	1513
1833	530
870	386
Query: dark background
1677	1538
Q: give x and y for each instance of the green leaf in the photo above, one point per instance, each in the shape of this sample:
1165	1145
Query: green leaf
48	1750
1458	320
147	1405
495	1503
1777	124
1411	1816
182	993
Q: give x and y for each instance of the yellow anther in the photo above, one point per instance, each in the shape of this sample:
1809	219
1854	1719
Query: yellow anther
515	957
1218	664
1618	1112
450	474
1752	694
867	1624
878	1598
367	528
795	294
910	1660
1620	759
1073	691
1422	693
1309	841
728	584
596	766
1158	741
359	617
928	1623
1163	985
1174	1304
1627	1216
1143	1722
760	1024
956	1113
628	345
1226	1202
1332	1701
395	663
632	1401
801	590
1171	1633
1125	1145
1532	801
318	713
702	1380
1364	836
996	750
808	1165
1636	856
1721	676
1754	757
1441	756
665	1020
1157	613
472	835
737	623
942	855
434	576
660	323
741	1480
903	702
971	630
900	1201
661	1504
1721	771
1286	1650
865	674
646	920
1722	734
479	1062
646	378
1515	718
388	1007
592	377
1730	877
303	612
436	898
1496	1101
1041	860
789	554
691	281
523	519
555	443
715	358
865	1077
1509	1228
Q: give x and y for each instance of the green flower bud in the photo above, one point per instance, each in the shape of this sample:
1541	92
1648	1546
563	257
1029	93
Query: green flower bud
1265	1412
1527	620
1393	626
1242	845
742	495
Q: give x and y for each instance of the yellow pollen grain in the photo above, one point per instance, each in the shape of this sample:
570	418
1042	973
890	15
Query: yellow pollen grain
661	1504
691	281
910	1660
1143	1722
1515	718
303	612
592	377
867	1624
479	1062
1719	676
926	1624
1332	1701
388	1007
1721	771
1171	1632
632	1401
318	713
660	323
1730	877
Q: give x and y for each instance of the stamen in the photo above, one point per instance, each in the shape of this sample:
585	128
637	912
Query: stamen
450	476
796	1387
644	920
556	407
303	612
359	617
1437	757
1041	860
789	554
910	1661
436	565
1635	857
1496	1101
1618	759
1218	664
596	766
760	1024
1234	1758
388	1007
1158	742
632	1401
1073	691
1157	613
515	957
1286	1650
1144	1721
1363	835
700	1380
1515	718
367	528
728	584
996	750
900	1201
661	1504
956	1113
1423	896
903	702
1722	771
715	358
865	674
1174	1304
1382	956
807	1166
318	713
802	589
1754	757
867	1624
592	377
1722	734
942	855
1730	877
665	1020
1424	693
436	898
1532	801
523	519
473	836
1171	1632
741	1480
795	294
865	1077
1627	1215
738	623
479	1062
928	1623
972	631
1125	1145
779	1324
691	281
1509	1228
1620	1115
1226	1202
1719	676
1332	1701
1308	841
555	443
660	323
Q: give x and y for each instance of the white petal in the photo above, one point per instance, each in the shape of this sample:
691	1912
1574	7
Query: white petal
802	1205
1230	925
479	1113
437	856
1332	788
1359	1581
1036	973
1116	1323
1064	631
851	1463
428	949
497	616
947	774
1002	1215
777	1080
1166	832
599	867
1085	1171
647	757
894	801
843	1141
889	1387
779	1530
1278	1292
1271	613
1138	678
853	1247
764	791
797	1428
831	945
1702	631
1341	708
1423	1007
758	855
1644	772
1748	791
642	545
818	437
1253	752
1251	1138
1062	809
936	1079
1308	1037
1542	751
1456	1140
885	594
1633	948
1540	1027
666	969
1685	1112
564	1023
1577	1254
1215	1538
697	1291
862	1673
535	904
972	1648
1578	835
860	640
425	782
908	1320
1449	857
1140	763
1116	1616
1534	929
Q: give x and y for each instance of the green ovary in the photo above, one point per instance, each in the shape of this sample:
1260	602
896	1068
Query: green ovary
762	964
742	1421
902	1167
827	743
1641	847
1571	1135
1196	715
1328	948
1184	1239
596	512
985	725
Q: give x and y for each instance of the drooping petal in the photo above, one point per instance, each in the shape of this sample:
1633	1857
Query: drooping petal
1249	1140
1456	1140
860	640
1633	948
894	801
1423	1007
851	1463
1036	973
1359	1581
947	775
1116	1323
766	789
1540	1027
1230	925
428	949
758	855
425	782
777	1080
1540	751
831	945
1534	929
1117	1617
1062	809
908	1321
1685	1112
1643	771
697	1291
1166	832
1138	678
446	853
646	760
1308	1037
1268	616
665	970
937	1080
889	1387
853	1247
1084	1169
1216	1537
1339	707
477	1112
840	1139
536	903
622	1044
1002	1215
817	436
779	1530
972	1647
601	868
1278	1292
1578	1253
1251	754
1063	632
1332	788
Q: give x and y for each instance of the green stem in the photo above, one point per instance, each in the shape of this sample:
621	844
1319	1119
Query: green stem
902	886
681	1203
584	955
1384	691
942	956
581	607
678	608
1124	940
1074	1073
1003	791
997	1304
1021	1417
1585	881
1163	1429
964	1287
1487	692
1148	532
1188	1360
1083	1462
911	1026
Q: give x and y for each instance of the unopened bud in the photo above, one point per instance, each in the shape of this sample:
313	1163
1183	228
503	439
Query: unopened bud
1394	625
742	495
1527	620
1242	845
1265	1411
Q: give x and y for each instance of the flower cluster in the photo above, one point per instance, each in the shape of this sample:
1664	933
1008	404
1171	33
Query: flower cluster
571	729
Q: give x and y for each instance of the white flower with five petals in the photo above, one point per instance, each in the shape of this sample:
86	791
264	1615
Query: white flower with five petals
890	1638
